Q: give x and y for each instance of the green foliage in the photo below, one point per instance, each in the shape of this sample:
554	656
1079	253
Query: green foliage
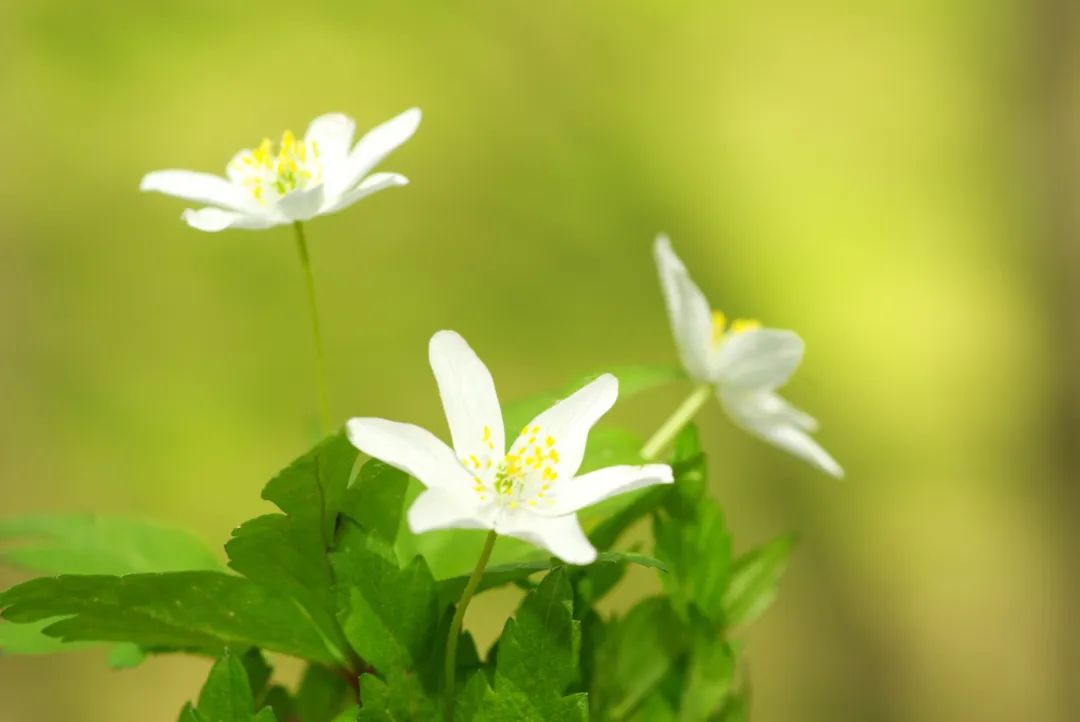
669	657
322	695
755	580
537	659
227	696
288	552
390	612
516	573
334	578
86	544
197	611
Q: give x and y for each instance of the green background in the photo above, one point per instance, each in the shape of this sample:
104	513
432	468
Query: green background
896	180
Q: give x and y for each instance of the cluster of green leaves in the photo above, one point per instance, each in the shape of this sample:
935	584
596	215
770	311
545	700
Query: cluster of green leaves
672	656
334	578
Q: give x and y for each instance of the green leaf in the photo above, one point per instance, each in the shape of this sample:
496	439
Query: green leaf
258	672
638	505
288	552
352	714
697	552
226	696
635	654
188	714
755	580
609	446
496	576
709	676
201	611
87	544
391	616
538	659
29	638
322	695
376	501
126	656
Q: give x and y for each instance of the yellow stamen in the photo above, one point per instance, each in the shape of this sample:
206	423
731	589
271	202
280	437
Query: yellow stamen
741	325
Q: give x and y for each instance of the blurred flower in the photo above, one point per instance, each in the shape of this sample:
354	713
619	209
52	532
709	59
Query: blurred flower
302	179
531	491
743	362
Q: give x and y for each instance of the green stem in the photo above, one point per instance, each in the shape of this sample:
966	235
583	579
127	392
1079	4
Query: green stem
682	416
459	617
320	356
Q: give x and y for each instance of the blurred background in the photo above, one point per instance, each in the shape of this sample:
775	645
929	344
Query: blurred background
896	180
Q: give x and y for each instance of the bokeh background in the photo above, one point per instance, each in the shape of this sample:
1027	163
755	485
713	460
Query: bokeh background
896	180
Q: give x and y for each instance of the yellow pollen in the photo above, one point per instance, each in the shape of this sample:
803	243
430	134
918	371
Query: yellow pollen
292	168
549	441
719	324
487	432
741	325
721	328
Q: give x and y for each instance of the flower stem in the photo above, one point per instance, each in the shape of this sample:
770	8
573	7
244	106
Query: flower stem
459	617
320	357
674	424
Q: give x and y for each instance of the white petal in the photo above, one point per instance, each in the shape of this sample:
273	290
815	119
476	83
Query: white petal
301	205
215	219
332	136
586	490
779	424
415	451
568	422
198	187
468	396
688	310
372	184
778	408
370	150
439	509
560	535
760	359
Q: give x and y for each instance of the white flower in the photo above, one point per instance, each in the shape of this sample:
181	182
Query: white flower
743	362
322	173
530	491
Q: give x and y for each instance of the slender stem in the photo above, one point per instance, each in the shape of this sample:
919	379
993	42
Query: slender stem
459	617
320	356
682	416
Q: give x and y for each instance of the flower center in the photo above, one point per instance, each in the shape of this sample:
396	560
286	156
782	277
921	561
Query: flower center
270	175
720	328
524	476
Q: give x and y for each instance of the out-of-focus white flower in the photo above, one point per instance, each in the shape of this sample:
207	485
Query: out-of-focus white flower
744	362
531	490
300	179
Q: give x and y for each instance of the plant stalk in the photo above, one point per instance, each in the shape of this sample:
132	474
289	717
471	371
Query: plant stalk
320	356
674	424
459	617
